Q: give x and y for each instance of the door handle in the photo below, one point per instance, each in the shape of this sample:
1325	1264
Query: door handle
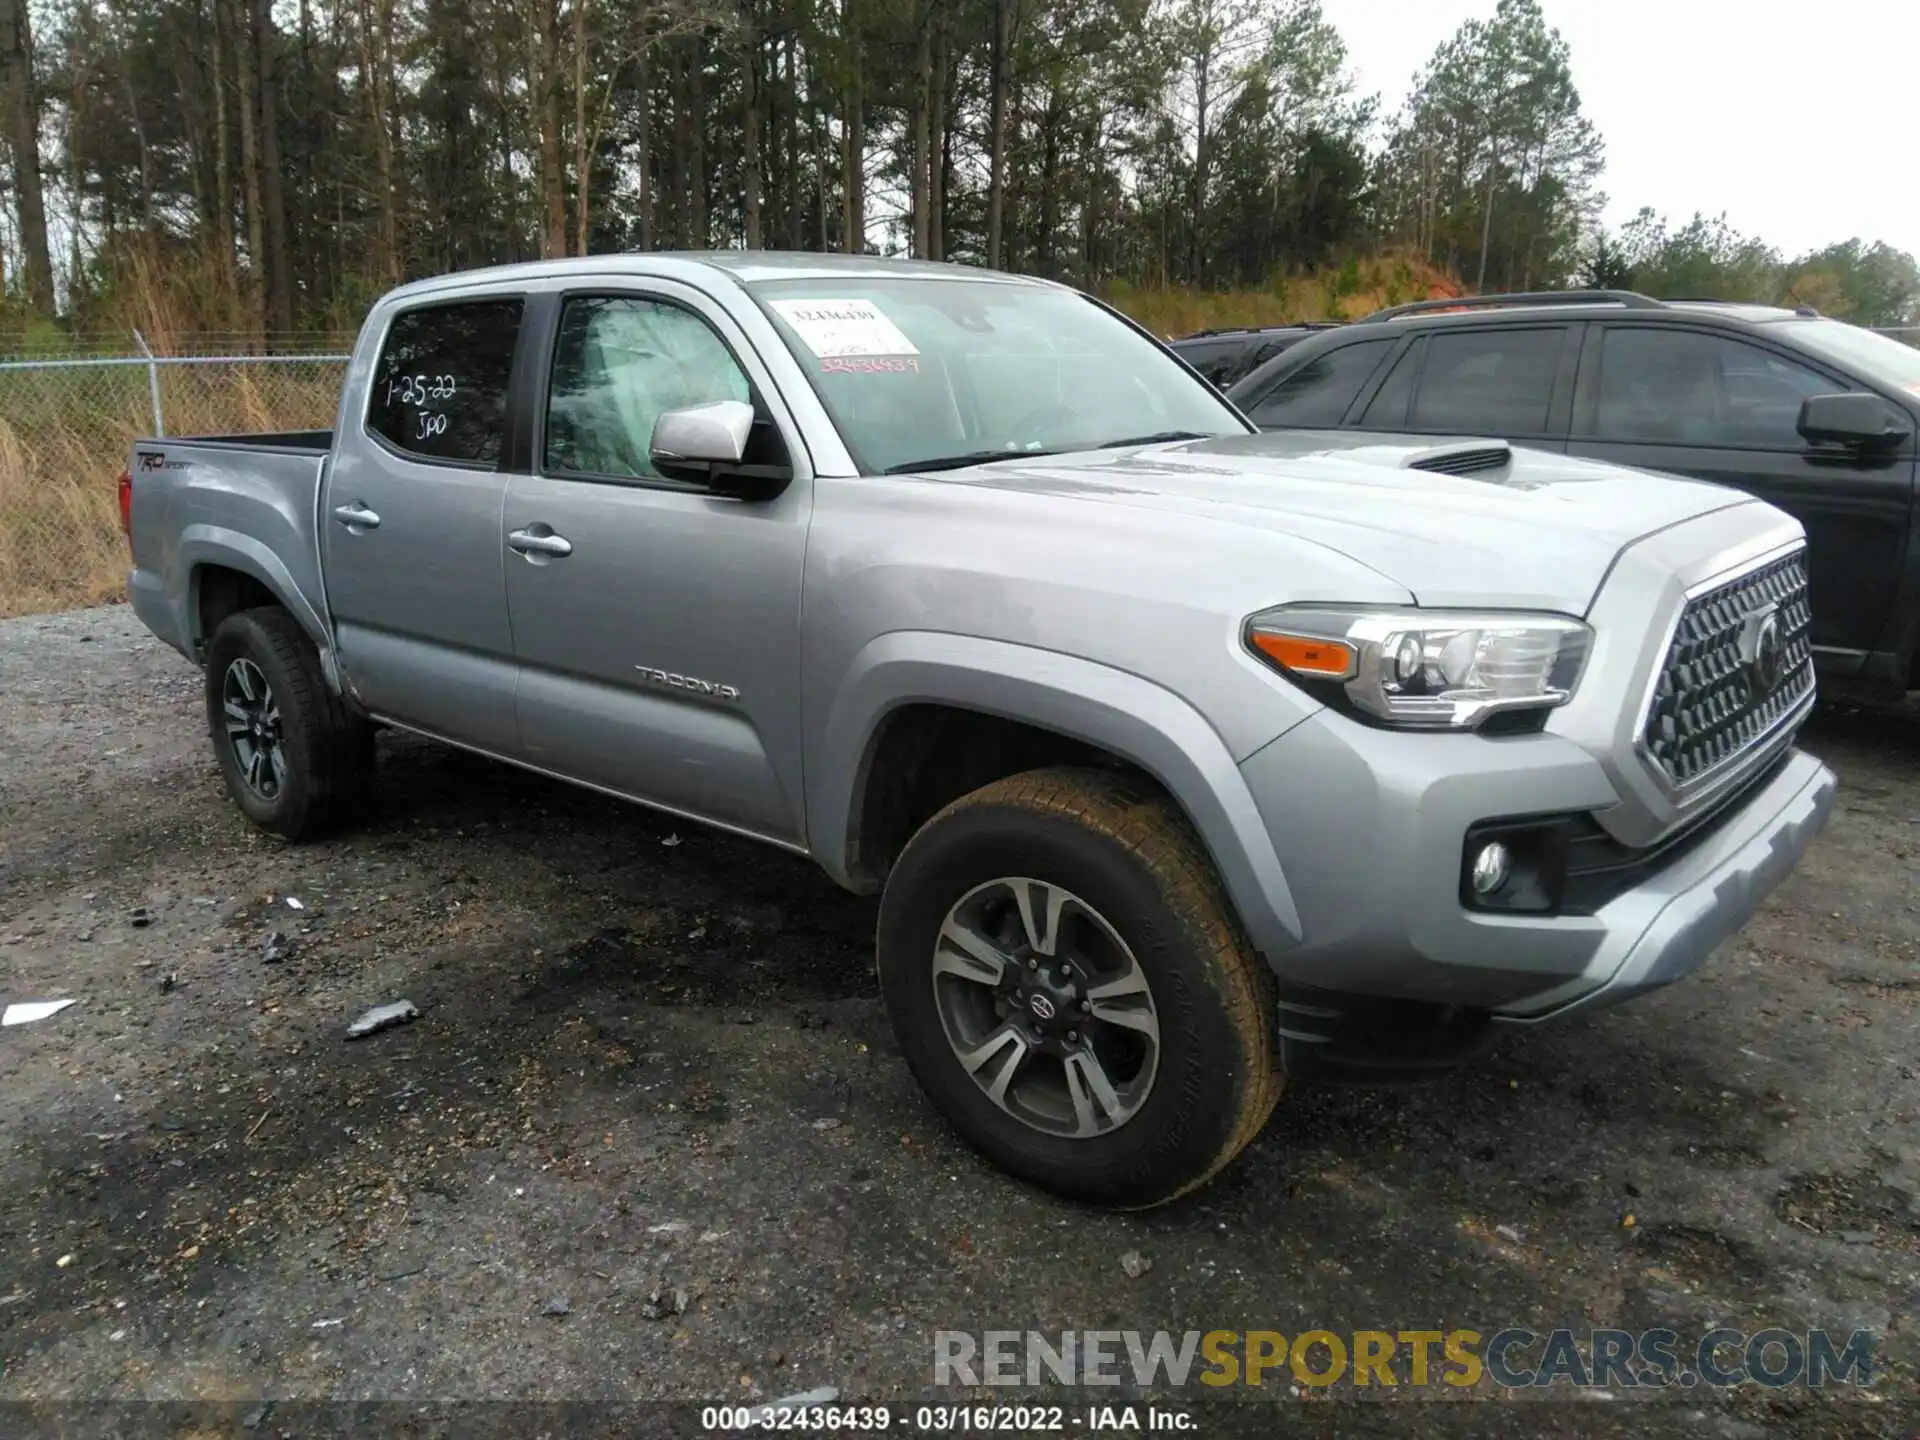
356	517
538	543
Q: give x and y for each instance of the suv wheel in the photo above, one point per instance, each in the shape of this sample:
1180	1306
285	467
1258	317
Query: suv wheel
1071	989
293	756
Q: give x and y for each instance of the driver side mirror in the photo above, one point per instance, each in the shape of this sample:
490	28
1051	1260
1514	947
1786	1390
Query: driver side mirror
1855	419
707	445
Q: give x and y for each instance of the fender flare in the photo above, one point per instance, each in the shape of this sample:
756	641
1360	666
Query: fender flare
202	546
1143	723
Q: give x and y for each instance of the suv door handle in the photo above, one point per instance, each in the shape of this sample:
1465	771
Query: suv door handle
356	517
538	543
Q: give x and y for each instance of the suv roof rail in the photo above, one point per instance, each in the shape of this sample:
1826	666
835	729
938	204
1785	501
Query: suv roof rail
1628	298
1804	312
1263	329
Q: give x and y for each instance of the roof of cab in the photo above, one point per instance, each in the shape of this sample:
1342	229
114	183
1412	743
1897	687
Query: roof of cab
744	266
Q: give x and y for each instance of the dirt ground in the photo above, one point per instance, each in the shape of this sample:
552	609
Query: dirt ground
651	1059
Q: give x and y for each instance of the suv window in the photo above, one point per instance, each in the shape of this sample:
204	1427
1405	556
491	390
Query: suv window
1492	382
440	389
1685	387
1218	361
1388	408
1319	392
619	364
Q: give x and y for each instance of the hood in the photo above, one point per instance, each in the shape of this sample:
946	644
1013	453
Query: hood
1521	529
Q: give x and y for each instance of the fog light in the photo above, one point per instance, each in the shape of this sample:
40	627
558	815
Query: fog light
1491	867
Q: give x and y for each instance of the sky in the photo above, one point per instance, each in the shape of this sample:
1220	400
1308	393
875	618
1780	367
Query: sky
1797	121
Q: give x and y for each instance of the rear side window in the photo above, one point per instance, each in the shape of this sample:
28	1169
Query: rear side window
1388	408
440	389
1217	361
1488	382
1319	392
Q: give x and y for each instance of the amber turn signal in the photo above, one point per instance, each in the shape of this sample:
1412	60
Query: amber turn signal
1307	654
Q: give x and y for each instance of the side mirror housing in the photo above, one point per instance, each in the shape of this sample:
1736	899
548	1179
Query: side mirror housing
707	445
1855	419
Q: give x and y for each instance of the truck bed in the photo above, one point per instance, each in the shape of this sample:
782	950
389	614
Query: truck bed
302	440
247	503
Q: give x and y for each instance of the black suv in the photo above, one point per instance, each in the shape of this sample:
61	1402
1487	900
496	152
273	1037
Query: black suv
1812	415
1223	356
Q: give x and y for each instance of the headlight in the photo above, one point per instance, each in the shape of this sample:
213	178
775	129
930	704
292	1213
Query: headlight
1425	669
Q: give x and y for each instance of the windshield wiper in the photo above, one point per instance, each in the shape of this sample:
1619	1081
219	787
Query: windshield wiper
1163	437
960	462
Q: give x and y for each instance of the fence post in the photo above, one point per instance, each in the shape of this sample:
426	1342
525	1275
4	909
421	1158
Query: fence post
153	385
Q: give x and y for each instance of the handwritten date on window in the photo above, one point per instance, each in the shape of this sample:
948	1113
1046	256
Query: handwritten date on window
422	391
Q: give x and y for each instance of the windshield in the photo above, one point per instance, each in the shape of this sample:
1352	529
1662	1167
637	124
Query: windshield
917	370
1877	357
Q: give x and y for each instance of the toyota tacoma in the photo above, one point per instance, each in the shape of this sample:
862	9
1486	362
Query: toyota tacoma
1182	757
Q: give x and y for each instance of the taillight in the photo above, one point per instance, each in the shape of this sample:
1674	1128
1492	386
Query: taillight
126	504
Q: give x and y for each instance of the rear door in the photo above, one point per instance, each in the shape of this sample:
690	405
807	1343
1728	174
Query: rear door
659	638
411	526
1724	408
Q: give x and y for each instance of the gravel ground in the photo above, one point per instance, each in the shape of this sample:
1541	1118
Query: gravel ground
652	1071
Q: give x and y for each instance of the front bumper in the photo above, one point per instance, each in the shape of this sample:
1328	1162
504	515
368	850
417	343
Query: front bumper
1369	827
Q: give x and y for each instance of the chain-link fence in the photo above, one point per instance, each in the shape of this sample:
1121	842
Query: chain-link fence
67	426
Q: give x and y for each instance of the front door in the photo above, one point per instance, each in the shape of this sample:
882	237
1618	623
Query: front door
656	623
1717	408
410	527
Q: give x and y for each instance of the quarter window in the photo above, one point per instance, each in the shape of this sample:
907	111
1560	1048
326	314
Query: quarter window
619	364
440	389
1686	388
1319	392
1488	382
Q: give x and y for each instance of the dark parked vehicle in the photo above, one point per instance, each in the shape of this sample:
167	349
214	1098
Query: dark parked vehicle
1223	356
1813	415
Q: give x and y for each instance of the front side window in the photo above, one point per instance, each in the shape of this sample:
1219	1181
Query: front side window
933	371
440	387
1686	388
619	364
1488	382
1878	357
1319	392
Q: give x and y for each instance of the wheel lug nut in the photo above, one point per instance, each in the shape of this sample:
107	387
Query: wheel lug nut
1086	1006
1032	964
1073	1037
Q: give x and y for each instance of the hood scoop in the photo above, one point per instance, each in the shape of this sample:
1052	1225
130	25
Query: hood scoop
1473	458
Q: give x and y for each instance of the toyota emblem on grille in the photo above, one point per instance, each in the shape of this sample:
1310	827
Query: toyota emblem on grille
1763	649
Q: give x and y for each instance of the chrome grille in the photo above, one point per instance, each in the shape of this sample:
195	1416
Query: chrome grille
1710	704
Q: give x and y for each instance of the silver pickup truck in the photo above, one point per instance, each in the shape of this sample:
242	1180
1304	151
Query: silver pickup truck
1183	757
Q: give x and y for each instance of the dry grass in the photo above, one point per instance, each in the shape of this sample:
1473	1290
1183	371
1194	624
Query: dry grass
65	436
1343	292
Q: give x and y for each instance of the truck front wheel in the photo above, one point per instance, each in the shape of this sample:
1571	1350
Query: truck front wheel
1070	987
293	756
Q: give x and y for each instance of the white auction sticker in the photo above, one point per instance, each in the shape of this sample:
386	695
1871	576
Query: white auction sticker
832	328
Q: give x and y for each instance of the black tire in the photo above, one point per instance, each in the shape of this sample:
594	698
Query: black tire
1124	849
325	751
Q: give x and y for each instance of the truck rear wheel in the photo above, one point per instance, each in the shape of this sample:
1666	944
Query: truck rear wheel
295	759
1070	987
